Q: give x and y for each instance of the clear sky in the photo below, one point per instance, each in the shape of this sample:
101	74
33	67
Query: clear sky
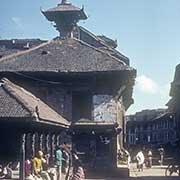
148	32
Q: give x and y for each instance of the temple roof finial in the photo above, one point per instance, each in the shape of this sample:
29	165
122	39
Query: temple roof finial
65	2
65	16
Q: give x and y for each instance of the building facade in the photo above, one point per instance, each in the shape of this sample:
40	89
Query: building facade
174	102
151	128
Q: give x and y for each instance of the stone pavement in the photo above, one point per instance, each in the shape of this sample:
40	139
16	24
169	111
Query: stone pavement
155	173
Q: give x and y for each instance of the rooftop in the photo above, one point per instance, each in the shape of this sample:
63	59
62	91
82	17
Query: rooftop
62	55
18	102
10	46
146	115
102	42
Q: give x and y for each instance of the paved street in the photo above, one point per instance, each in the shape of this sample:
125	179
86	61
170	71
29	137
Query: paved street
155	173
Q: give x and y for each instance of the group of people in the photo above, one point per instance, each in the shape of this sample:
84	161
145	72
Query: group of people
67	165
142	158
147	160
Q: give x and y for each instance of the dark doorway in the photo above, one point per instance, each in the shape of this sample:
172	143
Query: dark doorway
94	149
10	144
81	105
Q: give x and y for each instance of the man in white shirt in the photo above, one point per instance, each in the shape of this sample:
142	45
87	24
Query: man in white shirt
140	160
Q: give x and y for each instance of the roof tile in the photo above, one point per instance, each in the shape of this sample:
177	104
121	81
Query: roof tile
69	55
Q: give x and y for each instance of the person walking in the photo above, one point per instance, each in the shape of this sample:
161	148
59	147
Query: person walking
140	160
161	152
58	162
128	158
149	158
78	172
66	159
70	163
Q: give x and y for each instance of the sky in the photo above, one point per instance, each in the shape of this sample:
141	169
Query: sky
148	33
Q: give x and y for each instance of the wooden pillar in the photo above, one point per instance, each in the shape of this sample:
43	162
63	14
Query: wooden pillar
22	156
33	145
114	150
53	148
28	145
47	144
41	142
36	142
57	140
44	142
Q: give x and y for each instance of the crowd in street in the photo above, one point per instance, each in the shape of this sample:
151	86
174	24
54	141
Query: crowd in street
142	158
66	165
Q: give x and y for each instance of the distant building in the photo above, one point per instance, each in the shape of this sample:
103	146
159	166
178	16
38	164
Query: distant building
151	128
174	102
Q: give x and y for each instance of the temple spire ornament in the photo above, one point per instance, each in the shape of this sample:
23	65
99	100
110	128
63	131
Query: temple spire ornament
65	16
65	2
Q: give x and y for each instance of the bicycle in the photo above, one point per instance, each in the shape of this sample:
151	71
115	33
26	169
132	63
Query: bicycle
172	169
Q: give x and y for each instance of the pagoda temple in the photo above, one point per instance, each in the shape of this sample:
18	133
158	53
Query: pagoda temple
76	83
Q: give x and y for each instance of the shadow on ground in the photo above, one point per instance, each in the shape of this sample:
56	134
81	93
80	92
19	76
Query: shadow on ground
139	178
